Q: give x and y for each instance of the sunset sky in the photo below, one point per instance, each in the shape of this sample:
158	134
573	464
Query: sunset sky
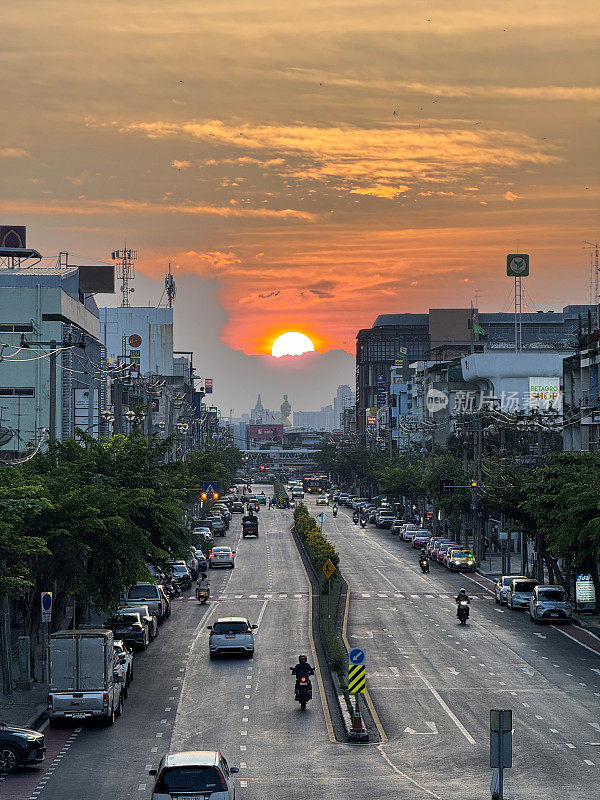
312	163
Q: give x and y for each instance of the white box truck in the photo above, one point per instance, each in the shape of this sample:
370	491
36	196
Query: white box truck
83	680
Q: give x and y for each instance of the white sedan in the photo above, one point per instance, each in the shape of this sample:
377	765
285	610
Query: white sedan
221	557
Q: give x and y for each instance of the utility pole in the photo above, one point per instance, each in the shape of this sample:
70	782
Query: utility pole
52	421
5	649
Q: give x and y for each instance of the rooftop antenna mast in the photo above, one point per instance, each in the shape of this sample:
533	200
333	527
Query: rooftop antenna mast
170	287
125	259
594	276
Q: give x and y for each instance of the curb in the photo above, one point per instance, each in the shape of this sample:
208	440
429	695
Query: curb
353	738
37	719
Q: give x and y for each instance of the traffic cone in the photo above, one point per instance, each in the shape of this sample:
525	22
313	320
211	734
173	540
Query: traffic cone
358	731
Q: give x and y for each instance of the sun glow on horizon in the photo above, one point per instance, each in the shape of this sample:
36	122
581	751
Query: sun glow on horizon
292	343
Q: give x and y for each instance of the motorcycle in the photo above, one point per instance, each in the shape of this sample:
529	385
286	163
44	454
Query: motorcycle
303	691
355	519
424	564
363	522
462	612
202	594
335	511
172	589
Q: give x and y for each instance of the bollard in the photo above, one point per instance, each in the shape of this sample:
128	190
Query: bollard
24	681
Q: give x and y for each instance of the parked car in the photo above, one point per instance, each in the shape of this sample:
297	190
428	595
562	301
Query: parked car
130	627
384	519
147	615
20	747
459	558
519	592
409	531
221	557
420	538
502	586
397	527
181	574
441	550
218	526
550	604
194	774
125	658
151	595
231	635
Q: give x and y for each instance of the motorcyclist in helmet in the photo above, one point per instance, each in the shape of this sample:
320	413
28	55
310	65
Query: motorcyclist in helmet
302	669
335	509
462	596
203	583
423	554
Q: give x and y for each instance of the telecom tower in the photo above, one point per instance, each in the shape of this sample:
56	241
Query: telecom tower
170	287
125	259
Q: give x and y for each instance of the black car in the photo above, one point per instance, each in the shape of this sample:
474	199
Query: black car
20	747
131	628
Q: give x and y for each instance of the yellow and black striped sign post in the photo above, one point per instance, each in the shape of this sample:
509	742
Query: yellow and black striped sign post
356	678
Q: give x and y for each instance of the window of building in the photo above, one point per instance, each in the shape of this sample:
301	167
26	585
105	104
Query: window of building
16	327
19	391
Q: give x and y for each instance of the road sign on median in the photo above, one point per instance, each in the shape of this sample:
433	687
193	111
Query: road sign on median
210	486
328	568
356	678
357	656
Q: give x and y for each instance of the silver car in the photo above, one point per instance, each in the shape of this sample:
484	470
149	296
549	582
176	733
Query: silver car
502	586
550	604
231	635
519	592
194	774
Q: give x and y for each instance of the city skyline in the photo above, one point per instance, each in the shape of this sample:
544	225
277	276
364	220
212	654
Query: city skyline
391	172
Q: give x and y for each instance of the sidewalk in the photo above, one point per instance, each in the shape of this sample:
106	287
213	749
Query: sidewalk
24	708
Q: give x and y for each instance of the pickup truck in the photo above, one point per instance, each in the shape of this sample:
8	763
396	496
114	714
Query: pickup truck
84	677
151	595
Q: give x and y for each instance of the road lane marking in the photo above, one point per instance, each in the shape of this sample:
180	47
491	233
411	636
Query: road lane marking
570	746
587	761
594	725
431	732
445	706
404	775
553	730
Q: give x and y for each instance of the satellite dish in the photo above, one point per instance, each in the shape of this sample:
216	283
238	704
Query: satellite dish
5	436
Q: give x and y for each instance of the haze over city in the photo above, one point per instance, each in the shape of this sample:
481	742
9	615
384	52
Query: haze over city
308	166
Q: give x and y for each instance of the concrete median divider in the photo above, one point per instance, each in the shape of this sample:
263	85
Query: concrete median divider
332	599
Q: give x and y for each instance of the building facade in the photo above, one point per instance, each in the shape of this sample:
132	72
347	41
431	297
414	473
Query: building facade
54	374
443	334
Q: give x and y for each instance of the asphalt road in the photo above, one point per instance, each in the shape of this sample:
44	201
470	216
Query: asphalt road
432	683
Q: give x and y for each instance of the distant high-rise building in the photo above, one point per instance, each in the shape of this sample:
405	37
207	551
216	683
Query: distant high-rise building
315	420
343	399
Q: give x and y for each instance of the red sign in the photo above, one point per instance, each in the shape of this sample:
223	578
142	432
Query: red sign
135	340
265	432
208	385
371	421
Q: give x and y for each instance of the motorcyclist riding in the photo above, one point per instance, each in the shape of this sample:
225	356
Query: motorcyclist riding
355	517
423	554
202	585
335	510
302	670
462	596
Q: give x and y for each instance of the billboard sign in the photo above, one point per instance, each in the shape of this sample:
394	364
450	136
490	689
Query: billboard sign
208	385
544	393
381	380
265	433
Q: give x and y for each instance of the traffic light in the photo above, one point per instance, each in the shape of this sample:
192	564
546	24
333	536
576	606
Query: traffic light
262	469
215	495
204	496
474	484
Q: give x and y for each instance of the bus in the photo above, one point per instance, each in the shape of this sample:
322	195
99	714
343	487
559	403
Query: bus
315	484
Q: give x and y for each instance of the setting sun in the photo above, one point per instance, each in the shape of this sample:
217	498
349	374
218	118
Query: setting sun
292	344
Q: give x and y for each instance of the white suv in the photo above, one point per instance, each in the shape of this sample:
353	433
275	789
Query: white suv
231	635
